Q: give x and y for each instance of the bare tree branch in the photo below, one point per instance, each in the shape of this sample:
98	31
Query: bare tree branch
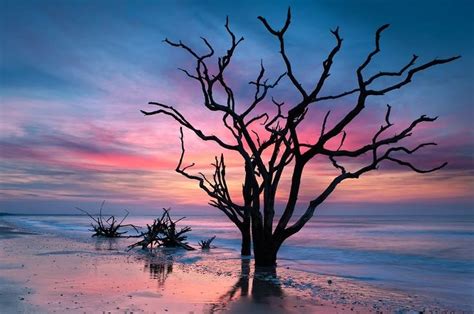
370	55
399	73
410	75
279	34
175	114
217	189
390	140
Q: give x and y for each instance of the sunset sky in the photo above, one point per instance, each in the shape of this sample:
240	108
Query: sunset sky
74	75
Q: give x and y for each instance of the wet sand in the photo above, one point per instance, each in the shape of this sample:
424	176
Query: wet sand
44	274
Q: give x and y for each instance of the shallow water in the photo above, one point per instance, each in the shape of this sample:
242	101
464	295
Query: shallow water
426	255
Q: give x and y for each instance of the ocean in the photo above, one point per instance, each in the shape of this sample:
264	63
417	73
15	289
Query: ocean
425	255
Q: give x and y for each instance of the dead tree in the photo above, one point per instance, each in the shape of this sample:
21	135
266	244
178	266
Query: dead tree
206	244
163	232
266	154
110	227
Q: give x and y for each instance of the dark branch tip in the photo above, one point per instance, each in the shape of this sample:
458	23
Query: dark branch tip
382	28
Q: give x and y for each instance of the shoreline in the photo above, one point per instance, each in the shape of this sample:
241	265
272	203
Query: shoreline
44	274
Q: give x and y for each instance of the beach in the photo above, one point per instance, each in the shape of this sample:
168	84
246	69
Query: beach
43	272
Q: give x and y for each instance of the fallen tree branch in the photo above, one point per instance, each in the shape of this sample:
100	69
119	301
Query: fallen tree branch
163	232
110	227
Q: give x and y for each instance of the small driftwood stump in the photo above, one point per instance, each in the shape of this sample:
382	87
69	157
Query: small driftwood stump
206	244
110	227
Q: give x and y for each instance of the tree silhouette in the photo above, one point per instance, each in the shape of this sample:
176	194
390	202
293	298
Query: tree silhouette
266	154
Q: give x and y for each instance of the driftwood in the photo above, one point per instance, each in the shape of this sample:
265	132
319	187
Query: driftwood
110	227
163	233
206	244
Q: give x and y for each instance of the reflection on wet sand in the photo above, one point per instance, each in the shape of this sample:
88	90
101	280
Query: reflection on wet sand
106	244
159	266
265	285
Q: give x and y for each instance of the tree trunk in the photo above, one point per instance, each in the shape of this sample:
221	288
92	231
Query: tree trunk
264	250
246	239
265	257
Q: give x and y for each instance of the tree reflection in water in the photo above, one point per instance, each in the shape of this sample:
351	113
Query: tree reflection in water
159	266
265	284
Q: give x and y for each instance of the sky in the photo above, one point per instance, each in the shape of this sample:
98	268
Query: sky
74	75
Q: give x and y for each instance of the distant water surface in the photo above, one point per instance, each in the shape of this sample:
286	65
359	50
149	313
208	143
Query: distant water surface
427	255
